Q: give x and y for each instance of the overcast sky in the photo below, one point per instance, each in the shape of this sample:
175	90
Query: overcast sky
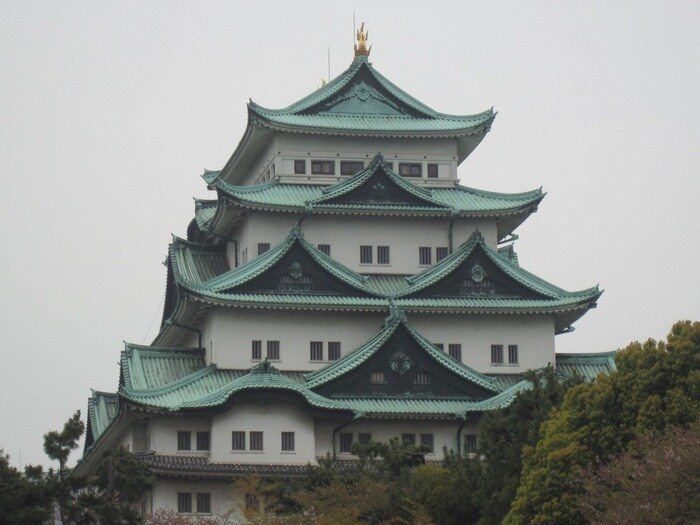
109	112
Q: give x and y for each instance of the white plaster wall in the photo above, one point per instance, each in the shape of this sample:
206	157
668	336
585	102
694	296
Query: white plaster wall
444	433
224	496
345	234
534	335
228	333
164	429
270	417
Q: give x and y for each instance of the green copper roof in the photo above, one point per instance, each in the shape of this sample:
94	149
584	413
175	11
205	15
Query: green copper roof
587	366
459	200
146	367
395	321
102	409
363	100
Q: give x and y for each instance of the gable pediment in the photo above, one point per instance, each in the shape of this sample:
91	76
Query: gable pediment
297	272
403	368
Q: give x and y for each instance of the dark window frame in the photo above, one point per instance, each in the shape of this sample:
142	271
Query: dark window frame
410	169
238	440
513	354
433	171
184	503
203	503
345	442
288	444
428	441
497	354
316	350
334	350
455	351
263	247
325	249
366	254
273	350
323	167
383	255
300	167
425	256
203	440
256	350
350	167
256	440
184	440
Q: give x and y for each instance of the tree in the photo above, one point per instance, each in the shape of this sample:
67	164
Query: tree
59	445
656	386
24	499
655	482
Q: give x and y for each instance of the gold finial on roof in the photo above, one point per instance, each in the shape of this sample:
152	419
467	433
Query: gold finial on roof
361	46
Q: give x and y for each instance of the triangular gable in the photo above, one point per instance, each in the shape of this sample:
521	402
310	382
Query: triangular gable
399	363
377	185
293	267
474	271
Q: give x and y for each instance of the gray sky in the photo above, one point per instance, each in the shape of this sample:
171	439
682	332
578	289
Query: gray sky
109	112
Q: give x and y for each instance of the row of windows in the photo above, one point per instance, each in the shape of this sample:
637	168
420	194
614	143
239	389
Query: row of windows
425	254
367	254
316	350
203	500
454	350
272	347
378	377
350	167
184	440
497	354
255	441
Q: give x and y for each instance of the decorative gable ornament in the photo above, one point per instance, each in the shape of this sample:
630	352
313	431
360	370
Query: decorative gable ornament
400	363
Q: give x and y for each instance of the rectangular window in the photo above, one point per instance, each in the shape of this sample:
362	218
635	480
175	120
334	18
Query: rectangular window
184	440
184	502
325	249
455	351
513	354
470	443
299	167
497	354
411	169
422	378
432	171
408	439
256	353
364	437
204	502
382	255
256	440
377	378
323	167
440	253
424	256
426	440
345	442
288	441
439	346
316	350
365	255
237	440
202	440
350	167
273	350
263	247
333	350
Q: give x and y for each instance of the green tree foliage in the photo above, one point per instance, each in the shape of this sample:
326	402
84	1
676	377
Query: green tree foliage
656	385
59	445
656	482
24	499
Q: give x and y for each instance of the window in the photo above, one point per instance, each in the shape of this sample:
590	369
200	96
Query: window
364	437
440	253
496	354
256	353
408	439
256	440
287	441
422	378
322	167
334	350
273	350
365	255
345	442
426	440
513	354
237	440
316	350
263	247
432	171
424	258
389	165
382	255
439	346
455	351
299	167
202	440
184	502
377	378
409	169
350	167
184	440
470	443
325	249
204	502
251	502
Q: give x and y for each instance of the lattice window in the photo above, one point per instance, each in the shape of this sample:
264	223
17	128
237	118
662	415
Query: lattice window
345	442
256	440
409	169
325	249
256	350
365	254
316	350
203	502
263	247
237	440
424	256
426	440
273	350
382	255
455	351
300	167
333	350
350	167
202	440
288	441
440	253
513	354
377	378
497	354
323	167
422	378
432	171
364	437
184	502
184	440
